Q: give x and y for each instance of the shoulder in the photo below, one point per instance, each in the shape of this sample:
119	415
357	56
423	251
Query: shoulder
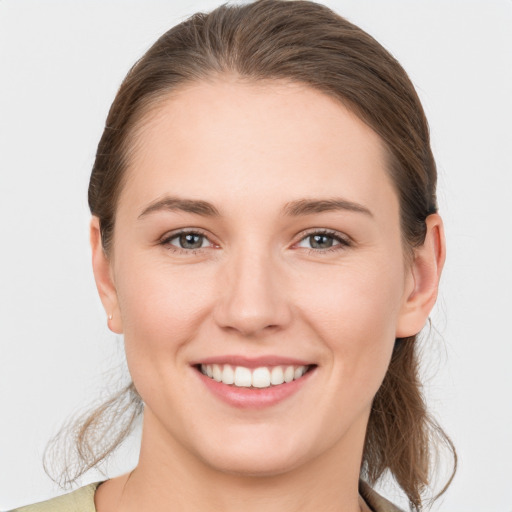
375	501
81	500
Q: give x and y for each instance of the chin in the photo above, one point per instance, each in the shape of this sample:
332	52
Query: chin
260	454
256	465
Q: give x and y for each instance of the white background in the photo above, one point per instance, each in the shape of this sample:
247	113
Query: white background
60	65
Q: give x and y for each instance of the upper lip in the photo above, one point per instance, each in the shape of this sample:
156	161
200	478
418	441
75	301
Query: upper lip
253	362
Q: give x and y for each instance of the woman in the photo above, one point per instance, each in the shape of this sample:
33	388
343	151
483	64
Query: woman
265	236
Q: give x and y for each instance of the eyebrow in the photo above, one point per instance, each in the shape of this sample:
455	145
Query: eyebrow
310	206
196	206
292	208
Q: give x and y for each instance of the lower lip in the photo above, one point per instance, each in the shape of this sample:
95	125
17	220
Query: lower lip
254	398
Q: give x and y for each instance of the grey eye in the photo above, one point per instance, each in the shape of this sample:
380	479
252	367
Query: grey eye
321	241
189	240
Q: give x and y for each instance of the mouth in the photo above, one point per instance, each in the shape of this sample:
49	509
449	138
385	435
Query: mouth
254	382
261	377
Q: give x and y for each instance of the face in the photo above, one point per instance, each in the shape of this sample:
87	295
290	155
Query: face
257	231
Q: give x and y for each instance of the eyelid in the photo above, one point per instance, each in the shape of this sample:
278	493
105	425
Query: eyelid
343	239
170	235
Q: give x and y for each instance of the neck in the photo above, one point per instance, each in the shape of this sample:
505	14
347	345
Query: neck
169	477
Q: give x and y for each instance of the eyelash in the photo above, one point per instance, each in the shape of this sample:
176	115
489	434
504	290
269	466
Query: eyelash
343	241
166	241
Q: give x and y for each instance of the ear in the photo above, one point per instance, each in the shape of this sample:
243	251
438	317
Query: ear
423	280
102	270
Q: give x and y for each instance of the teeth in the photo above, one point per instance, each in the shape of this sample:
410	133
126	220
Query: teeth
243	377
217	373
277	376
228	375
262	377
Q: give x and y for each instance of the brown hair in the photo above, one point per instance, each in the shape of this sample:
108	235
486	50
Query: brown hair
303	42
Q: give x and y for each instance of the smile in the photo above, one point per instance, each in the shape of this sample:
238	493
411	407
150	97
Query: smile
261	377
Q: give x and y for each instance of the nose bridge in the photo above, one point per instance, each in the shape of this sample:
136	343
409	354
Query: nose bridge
253	298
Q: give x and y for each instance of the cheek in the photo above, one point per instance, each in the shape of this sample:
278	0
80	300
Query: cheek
354	310
162	307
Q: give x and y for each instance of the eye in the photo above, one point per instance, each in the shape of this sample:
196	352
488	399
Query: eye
323	241
186	241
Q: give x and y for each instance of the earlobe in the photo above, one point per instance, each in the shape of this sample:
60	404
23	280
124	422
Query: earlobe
424	274
103	276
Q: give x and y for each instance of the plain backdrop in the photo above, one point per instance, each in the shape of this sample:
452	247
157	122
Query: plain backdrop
61	63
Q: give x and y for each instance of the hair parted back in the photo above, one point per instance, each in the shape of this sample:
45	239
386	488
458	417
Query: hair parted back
304	42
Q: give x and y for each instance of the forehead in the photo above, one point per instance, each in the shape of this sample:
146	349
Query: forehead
258	140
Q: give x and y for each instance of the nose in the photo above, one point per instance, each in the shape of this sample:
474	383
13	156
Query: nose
253	296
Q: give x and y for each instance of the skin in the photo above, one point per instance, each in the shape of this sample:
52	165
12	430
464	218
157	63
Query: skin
257	287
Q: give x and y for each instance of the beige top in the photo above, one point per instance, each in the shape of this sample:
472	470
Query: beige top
82	500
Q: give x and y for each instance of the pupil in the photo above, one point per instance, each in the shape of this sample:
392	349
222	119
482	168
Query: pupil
191	241
321	241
